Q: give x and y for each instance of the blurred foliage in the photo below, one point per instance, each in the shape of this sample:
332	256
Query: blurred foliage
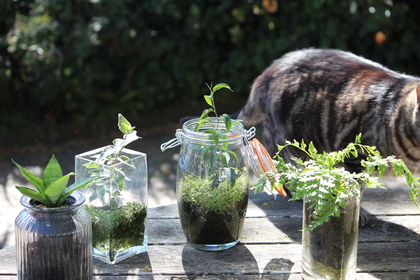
78	63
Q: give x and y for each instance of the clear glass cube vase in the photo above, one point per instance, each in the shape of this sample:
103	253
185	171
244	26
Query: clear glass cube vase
117	203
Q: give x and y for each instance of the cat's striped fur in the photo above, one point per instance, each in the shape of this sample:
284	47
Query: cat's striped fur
330	96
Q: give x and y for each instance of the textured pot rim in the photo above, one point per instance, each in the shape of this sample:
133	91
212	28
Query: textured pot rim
78	196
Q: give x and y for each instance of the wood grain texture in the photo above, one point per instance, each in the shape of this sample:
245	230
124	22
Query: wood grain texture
270	245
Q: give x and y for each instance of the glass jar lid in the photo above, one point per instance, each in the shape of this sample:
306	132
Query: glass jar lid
262	163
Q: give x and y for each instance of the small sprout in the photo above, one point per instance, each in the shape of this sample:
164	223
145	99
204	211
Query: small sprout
111	155
219	153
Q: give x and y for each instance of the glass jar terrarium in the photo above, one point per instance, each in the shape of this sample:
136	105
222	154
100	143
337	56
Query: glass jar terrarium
212	184
54	243
117	202
329	251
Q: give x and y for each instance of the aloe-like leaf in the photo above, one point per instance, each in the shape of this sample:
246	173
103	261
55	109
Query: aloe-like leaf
72	188
124	125
34	195
52	172
54	191
33	179
78	185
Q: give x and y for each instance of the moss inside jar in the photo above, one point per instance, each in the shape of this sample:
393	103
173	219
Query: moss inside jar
213	216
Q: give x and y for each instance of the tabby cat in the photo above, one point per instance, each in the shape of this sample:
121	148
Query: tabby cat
330	96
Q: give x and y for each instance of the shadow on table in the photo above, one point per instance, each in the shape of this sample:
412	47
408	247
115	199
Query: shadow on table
5	239
278	265
238	258
141	263
370	256
376	230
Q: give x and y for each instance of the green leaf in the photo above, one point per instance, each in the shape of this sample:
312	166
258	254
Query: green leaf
78	185
206	113
118	144
118	176
92	165
220	86
228	122
35	180
127	160
130	137
230	175
209	100
54	191
119	200
225	158
72	188
215	136
108	151
234	154
93	196
34	195
52	172
325	185
124	125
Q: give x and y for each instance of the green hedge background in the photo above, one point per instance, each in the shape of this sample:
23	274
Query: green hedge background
68	67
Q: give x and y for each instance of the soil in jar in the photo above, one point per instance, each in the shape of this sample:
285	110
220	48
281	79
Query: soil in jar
213	215
330	250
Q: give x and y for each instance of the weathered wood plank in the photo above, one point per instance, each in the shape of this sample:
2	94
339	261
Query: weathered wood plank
393	201
391	228
254	259
283	276
270	244
273	276
277	229
8	260
373	258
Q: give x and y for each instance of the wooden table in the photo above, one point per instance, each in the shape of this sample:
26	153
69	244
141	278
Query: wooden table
270	245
